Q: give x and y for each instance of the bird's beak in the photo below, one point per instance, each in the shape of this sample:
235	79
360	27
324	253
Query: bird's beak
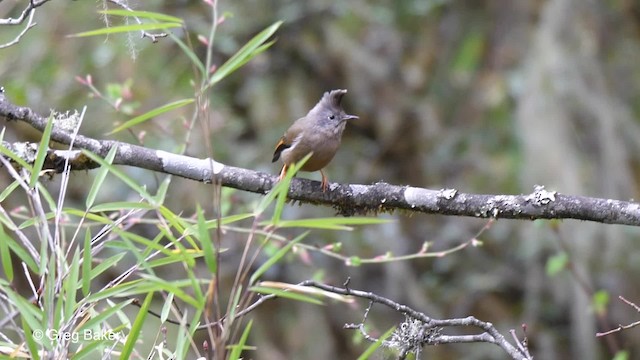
350	117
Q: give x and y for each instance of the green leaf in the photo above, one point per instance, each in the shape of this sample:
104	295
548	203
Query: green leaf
373	347
31	343
23	254
5	255
153	283
106	264
30	314
166	308
8	190
336	223
354	261
556	264
46	195
86	263
275	258
121	175
286	294
470	52
180	226
118	290
247	52
236	350
121	205
142	14
87	215
213	224
99	179
621	355
190	54
206	242
34	220
161	194
70	285
152	264
280	191
103	315
284	191
155	112
600	301
136	328
42	152
127	28
91	350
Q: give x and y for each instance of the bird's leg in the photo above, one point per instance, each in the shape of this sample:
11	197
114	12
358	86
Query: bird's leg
325	181
283	172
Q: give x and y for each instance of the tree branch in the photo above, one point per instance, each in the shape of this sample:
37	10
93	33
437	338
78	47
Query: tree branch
347	199
420	330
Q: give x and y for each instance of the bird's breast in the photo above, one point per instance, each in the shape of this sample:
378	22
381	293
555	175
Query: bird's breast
323	143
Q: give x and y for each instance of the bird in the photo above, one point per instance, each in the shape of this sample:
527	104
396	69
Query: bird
318	133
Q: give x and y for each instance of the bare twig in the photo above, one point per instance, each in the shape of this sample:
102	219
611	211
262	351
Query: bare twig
418	329
622	327
25	13
28	12
143	34
30	24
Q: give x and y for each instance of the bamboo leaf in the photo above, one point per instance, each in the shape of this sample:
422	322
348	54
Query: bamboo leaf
150	114
252	48
142	14
42	152
127	28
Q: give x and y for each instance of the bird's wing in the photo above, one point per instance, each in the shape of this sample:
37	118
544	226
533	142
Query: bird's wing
289	139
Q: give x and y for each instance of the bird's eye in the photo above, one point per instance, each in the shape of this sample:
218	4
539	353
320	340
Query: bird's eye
332	117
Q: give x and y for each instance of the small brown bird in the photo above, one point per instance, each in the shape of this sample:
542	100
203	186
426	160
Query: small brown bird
319	133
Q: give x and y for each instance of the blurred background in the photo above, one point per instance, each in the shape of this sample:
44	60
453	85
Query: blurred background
482	96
